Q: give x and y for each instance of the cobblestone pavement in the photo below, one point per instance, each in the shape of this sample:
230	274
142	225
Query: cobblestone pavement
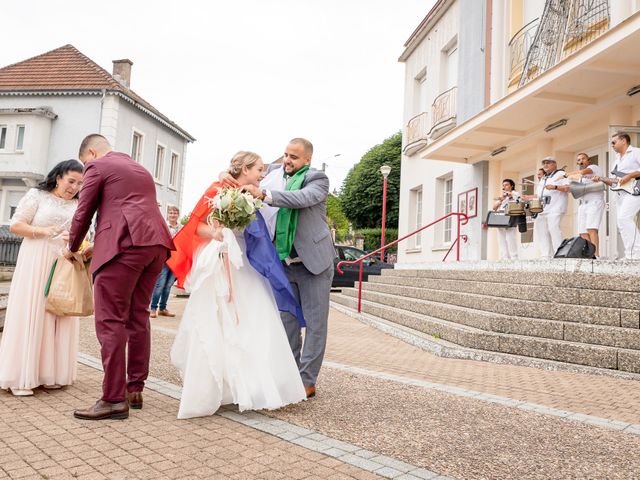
40	439
451	434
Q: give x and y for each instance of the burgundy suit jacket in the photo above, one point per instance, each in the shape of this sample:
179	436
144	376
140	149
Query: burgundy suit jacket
124	194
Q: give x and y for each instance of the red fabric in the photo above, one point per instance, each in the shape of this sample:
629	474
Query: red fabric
187	240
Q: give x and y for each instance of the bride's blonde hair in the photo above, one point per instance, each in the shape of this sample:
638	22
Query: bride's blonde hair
242	159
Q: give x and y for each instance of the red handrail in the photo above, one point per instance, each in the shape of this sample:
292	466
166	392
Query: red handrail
461	218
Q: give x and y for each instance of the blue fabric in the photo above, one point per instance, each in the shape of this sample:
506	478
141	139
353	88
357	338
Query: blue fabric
264	258
162	289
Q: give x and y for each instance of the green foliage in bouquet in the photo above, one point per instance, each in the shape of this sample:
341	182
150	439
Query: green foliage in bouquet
234	209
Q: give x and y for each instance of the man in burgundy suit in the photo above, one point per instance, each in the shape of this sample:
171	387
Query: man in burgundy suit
132	243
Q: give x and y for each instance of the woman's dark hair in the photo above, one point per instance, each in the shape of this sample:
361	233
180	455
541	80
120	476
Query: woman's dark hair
60	170
510	182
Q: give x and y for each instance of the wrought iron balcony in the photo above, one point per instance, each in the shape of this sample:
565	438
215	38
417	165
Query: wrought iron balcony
565	27
519	46
443	112
416	133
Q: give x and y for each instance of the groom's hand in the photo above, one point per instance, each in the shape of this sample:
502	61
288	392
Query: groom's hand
253	190
227	180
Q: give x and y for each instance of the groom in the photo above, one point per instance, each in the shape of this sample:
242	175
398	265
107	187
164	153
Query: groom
305	246
131	245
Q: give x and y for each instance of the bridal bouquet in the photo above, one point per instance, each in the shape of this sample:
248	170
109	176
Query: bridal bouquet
233	208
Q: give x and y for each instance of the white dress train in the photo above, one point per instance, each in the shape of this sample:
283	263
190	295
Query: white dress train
232	352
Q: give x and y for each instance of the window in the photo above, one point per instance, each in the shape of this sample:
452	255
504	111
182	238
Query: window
159	166
136	147
420	92
448	204
20	138
3	136
12	199
415	216
528	188
173	170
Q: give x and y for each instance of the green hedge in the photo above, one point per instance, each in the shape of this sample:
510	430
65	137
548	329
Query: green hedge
372	238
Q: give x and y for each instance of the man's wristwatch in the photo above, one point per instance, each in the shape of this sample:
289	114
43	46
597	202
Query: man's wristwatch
264	194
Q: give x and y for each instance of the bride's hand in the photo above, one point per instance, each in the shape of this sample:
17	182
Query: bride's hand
216	231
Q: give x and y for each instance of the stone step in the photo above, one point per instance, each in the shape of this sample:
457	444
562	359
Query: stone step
546	348
488	321
541	293
593	281
515	306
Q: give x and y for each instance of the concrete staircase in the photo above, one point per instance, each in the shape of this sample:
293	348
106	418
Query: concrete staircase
574	317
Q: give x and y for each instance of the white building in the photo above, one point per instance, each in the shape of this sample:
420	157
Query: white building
494	86
49	103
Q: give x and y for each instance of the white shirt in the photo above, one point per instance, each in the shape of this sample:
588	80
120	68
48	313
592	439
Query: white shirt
514	196
273	181
630	161
597	170
555	201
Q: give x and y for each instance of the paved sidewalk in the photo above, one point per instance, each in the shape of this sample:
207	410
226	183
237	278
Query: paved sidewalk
354	343
40	439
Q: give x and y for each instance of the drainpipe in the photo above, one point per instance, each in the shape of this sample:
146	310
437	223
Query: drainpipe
104	94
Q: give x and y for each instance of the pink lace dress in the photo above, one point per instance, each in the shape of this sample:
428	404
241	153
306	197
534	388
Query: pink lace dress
37	348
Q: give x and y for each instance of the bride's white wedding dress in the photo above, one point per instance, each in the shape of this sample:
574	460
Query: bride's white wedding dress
234	352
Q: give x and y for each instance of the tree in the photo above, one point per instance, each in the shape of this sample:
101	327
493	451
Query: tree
336	218
361	196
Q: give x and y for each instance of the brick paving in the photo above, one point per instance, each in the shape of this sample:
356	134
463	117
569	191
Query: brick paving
39	438
354	343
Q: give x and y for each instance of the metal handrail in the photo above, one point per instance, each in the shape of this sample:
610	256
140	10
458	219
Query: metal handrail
461	218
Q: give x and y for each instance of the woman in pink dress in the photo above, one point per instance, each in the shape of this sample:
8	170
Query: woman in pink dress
39	348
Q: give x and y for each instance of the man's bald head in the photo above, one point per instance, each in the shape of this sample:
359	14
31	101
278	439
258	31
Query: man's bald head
93	146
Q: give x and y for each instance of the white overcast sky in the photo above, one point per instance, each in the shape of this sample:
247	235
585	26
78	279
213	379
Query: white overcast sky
242	74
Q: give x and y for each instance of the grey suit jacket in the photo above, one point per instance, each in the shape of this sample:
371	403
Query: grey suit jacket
313	240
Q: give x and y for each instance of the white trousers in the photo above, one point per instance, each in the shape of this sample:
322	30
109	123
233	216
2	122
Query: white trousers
627	208
508	242
547	234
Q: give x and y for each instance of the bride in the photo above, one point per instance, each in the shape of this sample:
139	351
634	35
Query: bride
231	346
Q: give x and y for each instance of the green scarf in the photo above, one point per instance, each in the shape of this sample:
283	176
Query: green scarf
287	219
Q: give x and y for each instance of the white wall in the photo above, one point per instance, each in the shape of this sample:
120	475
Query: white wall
32	158
129	118
428	55
78	116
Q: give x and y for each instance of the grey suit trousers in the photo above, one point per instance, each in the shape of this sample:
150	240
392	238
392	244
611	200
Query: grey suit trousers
312	291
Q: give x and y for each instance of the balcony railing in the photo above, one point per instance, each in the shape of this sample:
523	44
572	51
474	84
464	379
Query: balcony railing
444	112
565	27
416	134
519	45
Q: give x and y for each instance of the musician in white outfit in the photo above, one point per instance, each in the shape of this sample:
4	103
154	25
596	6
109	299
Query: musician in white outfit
591	204
627	205
507	237
552	191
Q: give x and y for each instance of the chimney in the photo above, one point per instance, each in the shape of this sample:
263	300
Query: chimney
122	71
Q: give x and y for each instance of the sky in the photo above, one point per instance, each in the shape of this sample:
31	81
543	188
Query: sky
243	74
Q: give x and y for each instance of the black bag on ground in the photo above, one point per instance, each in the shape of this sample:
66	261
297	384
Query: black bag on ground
576	247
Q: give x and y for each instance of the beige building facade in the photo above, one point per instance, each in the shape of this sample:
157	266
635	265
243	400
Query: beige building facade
557	78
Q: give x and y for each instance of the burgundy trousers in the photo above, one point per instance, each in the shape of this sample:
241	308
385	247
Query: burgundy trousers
122	291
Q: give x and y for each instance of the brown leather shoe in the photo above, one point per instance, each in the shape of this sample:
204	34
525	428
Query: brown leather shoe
153	314
103	410
166	313
310	391
135	400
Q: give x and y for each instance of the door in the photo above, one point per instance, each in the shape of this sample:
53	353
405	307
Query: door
616	248
597	156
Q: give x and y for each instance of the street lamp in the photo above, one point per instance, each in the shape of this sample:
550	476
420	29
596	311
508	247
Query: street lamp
384	170
324	164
